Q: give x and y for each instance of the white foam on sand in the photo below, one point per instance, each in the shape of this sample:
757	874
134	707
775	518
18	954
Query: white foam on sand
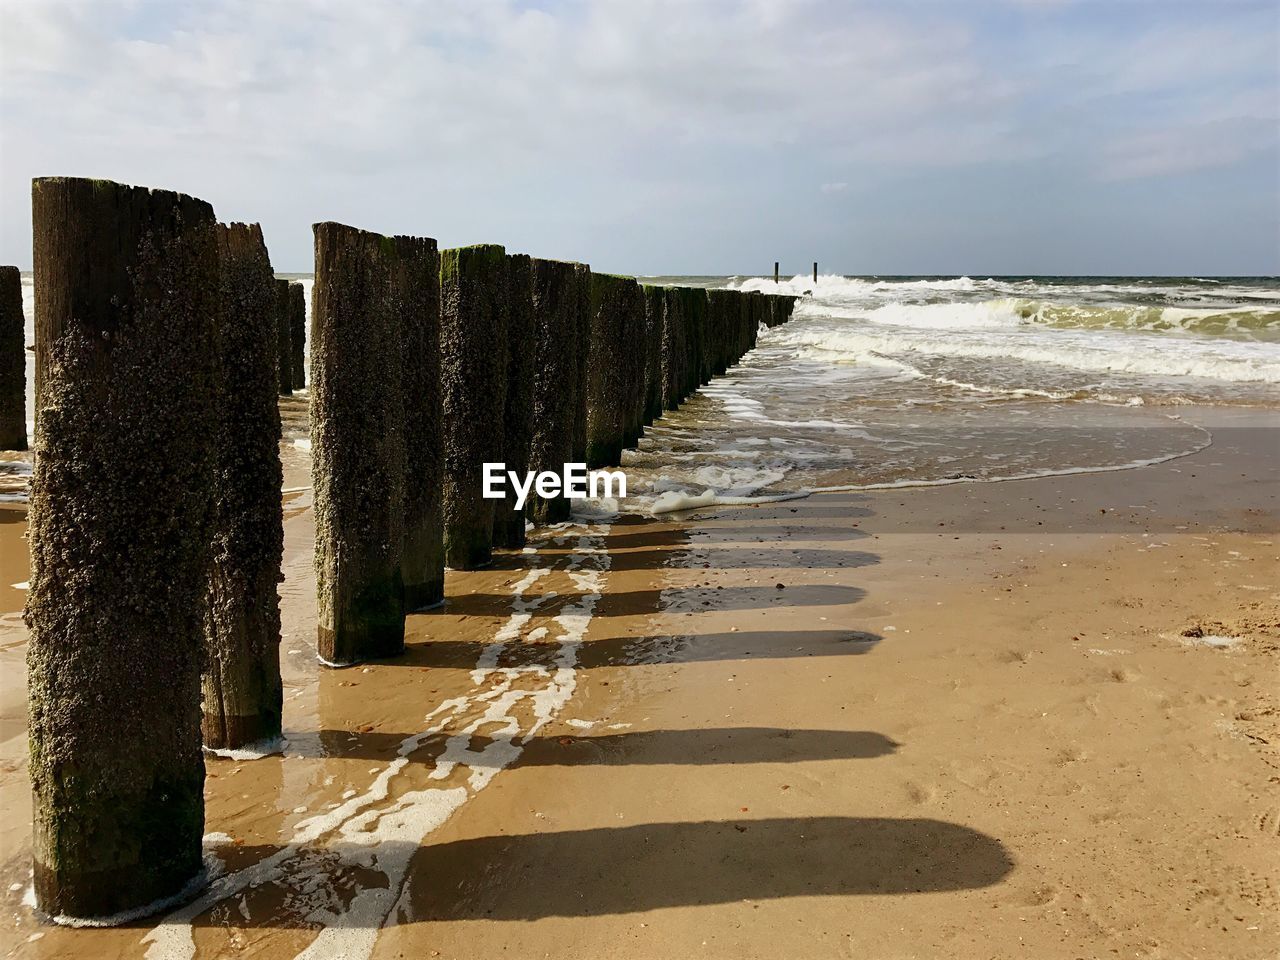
381	827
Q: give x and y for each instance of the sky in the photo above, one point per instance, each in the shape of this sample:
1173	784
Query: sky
677	136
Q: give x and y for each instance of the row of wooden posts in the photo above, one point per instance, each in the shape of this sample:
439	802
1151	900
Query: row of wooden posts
162	342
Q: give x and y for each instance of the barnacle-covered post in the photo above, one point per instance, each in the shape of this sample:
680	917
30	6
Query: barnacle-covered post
127	301
358	441
508	521
473	371
242	688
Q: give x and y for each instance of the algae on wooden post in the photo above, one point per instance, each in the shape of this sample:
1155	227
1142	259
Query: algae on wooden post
357	444
284	338
13	363
297	335
126	294
241	684
556	393
508	521
415	284
473	373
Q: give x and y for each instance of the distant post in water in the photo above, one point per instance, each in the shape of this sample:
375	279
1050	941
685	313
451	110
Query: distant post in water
242	689
13	363
357	445
415	285
126	283
473	349
556	391
284	337
508	522
775	271
815	271
297	335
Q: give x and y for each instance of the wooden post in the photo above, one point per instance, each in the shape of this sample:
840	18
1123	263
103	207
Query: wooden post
242	689
775	271
473	347
815	271
582	296
358	444
675	348
126	285
723	314
284	346
615	301
13	363
417	281
508	523
297	335
655	319
556	395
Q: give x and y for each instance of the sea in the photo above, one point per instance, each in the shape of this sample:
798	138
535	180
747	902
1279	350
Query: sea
887	381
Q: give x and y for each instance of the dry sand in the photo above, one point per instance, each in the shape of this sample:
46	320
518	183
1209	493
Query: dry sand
983	720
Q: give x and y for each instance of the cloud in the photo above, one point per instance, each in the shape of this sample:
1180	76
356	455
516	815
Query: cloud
562	122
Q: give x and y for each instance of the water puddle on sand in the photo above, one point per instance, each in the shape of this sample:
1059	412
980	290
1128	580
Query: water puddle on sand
341	874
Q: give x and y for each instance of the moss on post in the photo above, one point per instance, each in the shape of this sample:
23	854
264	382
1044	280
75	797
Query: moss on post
473	353
13	363
508	522
556	391
582	294
126	283
358	444
297	335
241	684
416	282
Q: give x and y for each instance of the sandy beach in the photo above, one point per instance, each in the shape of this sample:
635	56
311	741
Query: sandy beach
1033	718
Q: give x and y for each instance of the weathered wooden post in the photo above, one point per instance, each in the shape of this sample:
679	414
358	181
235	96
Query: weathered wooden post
126	284
242	689
556	392
722	314
615	303
508	522
297	335
416	282
775	271
815	271
357	444
473	370
284	345
582	296
695	325
674	348
634	358
655	320
13	363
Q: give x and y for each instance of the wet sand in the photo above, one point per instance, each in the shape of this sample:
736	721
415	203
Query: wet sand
966	721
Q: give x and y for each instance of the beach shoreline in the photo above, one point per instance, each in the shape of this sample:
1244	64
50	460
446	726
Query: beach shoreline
722	734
